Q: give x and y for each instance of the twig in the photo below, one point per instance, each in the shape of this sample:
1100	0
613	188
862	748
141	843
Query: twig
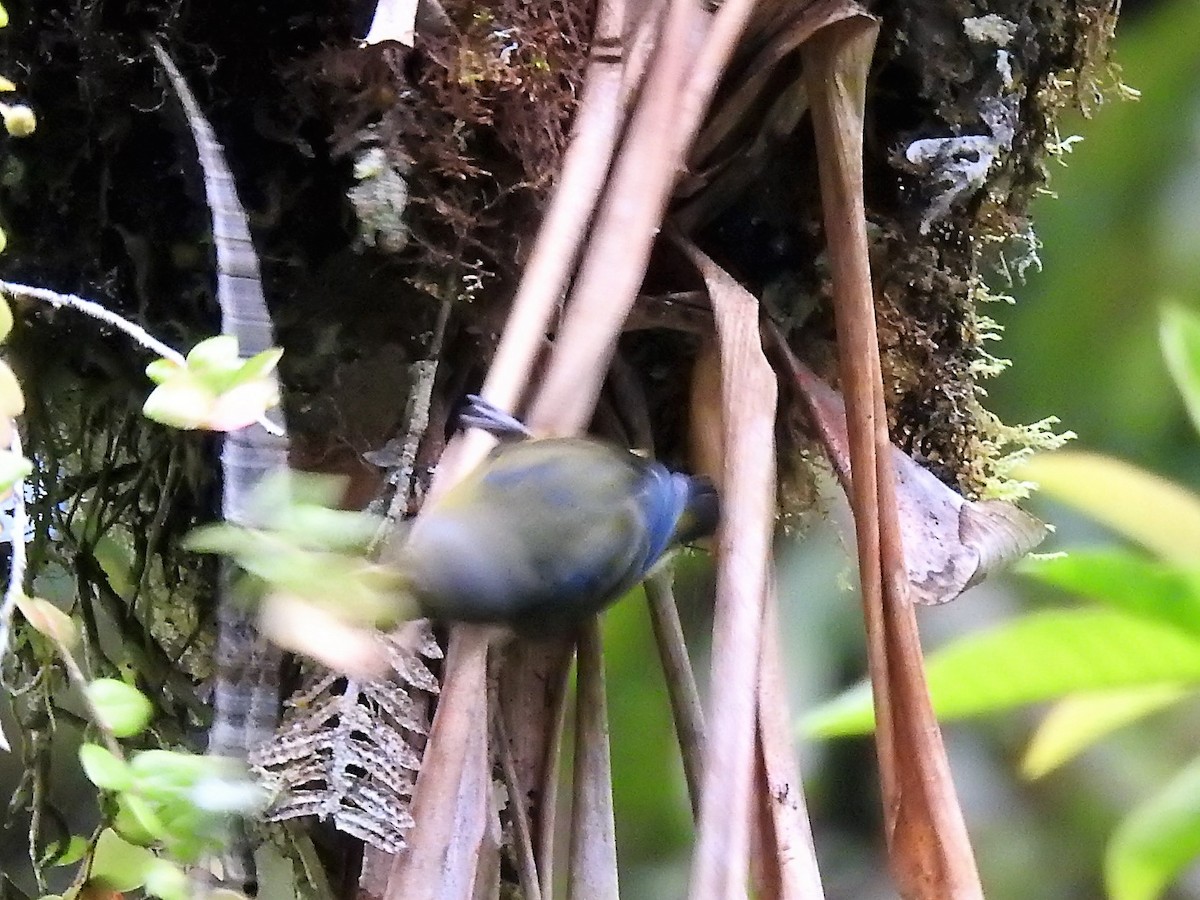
627	221
93	309
585	166
686	707
592	873
96	311
527	869
790	843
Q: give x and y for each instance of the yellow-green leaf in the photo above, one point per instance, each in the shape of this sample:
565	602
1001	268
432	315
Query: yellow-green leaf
122	709
1077	722
180	403
1179	334
1130	581
1156	841
6	316
162	370
136	821
48	619
13	468
1161	516
217	355
19	119
120	865
103	769
166	880
12	401
1031	659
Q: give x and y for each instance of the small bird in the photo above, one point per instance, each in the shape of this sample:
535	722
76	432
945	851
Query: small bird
547	531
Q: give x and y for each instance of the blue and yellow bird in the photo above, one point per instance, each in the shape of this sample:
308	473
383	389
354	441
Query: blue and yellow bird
547	531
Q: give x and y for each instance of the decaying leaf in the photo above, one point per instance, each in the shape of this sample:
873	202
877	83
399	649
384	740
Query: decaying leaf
348	750
950	543
394	20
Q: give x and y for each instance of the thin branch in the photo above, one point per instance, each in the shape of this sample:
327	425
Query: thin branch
527	869
96	311
614	263
686	708
592	873
93	309
790	839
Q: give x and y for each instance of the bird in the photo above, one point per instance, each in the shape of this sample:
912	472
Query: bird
546	532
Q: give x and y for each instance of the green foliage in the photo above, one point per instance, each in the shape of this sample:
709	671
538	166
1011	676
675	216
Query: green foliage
14	468
168	801
214	388
1157	840
1179	334
122	709
1107	667
306	549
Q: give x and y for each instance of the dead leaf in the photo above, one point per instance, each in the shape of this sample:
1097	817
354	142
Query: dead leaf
950	543
394	20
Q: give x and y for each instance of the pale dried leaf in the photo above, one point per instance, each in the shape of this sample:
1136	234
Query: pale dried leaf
348	750
394	21
748	391
928	846
950	543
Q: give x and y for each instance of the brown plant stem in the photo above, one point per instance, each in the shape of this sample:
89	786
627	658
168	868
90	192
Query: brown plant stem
930	853
787	833
592	873
686	708
748	392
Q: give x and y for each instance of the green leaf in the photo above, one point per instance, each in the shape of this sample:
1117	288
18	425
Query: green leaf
166	774
136	821
279	492
76	847
1161	516
1038	657
48	619
13	468
215	356
1157	840
6	316
180	402
1179	334
1077	722
231	540
258	366
321	528
166	880
120	865
1126	581
163	370
12	401
123	710
103	769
